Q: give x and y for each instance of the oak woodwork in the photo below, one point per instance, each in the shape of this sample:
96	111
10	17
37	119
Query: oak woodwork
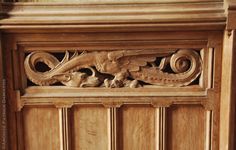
75	101
136	64
233	118
114	16
3	103
90	128
231	15
36	122
139	135
107	44
192	128
228	95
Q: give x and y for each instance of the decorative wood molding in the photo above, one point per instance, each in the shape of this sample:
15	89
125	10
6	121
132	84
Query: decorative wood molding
209	130
161	103
64	124
62	105
98	2
160	125
120	29
155	15
138	65
113	127
227	105
112	104
231	19
3	129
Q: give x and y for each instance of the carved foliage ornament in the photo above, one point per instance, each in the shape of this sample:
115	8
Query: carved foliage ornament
129	68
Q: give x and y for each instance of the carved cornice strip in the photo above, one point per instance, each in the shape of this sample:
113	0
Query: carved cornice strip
114	69
95	16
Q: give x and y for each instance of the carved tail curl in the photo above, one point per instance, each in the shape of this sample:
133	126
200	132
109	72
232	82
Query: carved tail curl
56	67
40	78
186	65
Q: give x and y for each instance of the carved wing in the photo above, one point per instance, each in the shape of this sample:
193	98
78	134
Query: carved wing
132	60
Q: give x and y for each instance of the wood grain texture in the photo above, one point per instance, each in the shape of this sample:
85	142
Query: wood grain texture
1	88
136	128
90	128
227	105
158	97
234	97
73	26
200	14
2	103
231	10
186	127
41	128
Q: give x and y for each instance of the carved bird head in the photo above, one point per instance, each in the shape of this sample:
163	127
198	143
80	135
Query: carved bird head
74	79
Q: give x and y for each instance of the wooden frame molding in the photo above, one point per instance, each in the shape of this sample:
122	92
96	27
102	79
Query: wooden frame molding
113	16
228	94
3	131
64	128
160	128
115	39
231	25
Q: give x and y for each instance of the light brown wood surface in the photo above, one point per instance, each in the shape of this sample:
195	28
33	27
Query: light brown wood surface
228	93
136	128
119	118
186	127
115	16
90	128
198	115
40	127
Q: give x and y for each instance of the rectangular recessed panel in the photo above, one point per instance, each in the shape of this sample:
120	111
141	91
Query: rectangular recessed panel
186	127
136	128
41	128
90	128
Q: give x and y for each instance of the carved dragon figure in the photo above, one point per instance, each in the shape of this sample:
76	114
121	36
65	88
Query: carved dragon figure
123	64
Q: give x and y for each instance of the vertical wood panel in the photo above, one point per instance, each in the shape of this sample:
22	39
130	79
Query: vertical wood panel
208	140
186	127
136	128
1	96
41	129
90	128
64	128
228	92
160	128
234	96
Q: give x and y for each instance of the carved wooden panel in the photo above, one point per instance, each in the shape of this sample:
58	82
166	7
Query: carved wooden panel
90	128
187	128
150	116
36	124
118	74
127	67
136	128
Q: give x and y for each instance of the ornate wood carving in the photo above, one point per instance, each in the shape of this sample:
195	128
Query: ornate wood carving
128	67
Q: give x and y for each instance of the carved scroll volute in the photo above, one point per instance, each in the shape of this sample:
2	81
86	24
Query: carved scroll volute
188	63
127	68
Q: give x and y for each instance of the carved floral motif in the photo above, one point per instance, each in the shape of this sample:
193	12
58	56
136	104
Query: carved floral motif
128	67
